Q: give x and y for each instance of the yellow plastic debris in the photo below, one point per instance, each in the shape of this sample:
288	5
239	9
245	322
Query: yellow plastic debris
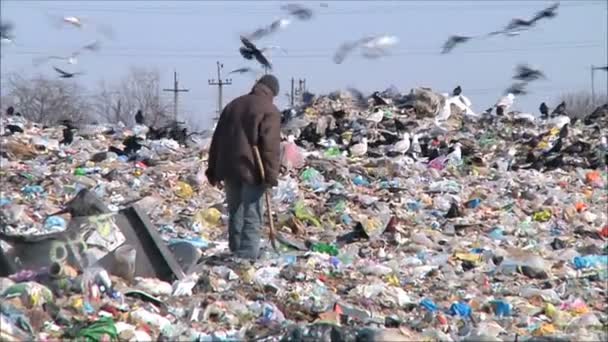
392	279
468	257
542	216
550	310
210	216
184	190
545	329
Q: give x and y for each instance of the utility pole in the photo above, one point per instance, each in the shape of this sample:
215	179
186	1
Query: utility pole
220	84
175	91
301	88
292	93
593	69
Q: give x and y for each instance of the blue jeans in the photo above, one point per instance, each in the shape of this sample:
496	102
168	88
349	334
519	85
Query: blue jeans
245	210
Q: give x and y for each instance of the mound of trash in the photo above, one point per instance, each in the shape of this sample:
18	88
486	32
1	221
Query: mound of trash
399	217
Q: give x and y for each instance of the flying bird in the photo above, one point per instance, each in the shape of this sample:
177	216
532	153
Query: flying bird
270	29
92	46
544	110
380	42
6	32
74	21
373	47
343	51
549	12
72	58
514	27
517	89
273	47
300	12
65	74
526	73
241	70
559	110
452	41
250	51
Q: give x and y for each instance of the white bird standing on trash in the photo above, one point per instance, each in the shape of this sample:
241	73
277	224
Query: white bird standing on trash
376	117
403	145
446	110
504	103
359	149
456	155
415	146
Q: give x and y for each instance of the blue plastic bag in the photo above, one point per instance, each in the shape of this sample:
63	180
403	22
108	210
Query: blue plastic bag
428	304
460	309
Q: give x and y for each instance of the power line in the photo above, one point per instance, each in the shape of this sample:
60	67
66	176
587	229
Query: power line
421	48
428	52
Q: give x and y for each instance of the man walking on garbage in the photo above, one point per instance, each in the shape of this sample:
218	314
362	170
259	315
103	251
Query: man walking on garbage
247	122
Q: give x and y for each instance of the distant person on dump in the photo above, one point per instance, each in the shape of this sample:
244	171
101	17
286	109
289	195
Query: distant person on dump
248	121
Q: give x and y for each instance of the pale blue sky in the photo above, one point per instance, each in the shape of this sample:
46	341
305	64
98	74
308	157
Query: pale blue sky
191	35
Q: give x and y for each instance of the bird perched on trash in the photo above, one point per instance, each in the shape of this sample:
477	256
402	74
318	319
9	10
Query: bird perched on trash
378	100
403	145
559	110
456	155
139	117
250	51
457	91
65	74
544	111
68	136
375	117
360	149
454	210
275	26
526	73
504	103
452	41
298	11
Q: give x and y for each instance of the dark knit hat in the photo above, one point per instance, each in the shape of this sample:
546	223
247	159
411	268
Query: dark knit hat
271	82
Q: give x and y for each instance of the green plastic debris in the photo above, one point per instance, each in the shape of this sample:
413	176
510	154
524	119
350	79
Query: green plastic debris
303	214
332	152
542	216
325	248
97	330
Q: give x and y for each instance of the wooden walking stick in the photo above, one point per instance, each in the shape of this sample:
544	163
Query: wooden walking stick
258	158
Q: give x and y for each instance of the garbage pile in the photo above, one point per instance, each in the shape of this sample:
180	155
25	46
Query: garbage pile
395	223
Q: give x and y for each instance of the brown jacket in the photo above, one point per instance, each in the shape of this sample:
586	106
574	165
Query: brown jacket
248	120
